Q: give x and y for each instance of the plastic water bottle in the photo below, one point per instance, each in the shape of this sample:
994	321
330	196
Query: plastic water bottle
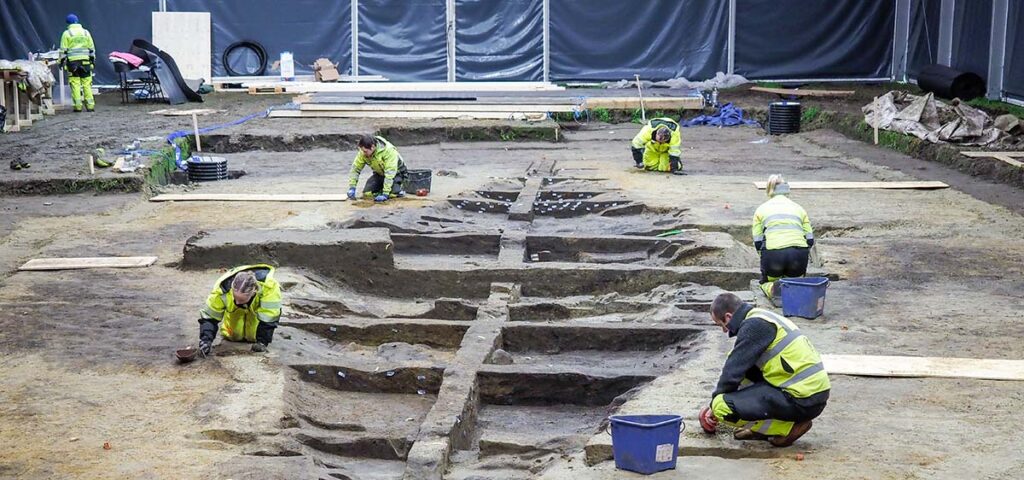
714	97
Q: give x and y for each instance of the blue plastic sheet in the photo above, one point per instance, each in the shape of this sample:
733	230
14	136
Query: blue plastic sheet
36	26
657	39
780	39
499	40
310	29
972	29
923	43
728	115
403	39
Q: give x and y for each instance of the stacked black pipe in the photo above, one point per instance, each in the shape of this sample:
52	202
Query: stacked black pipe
783	117
207	169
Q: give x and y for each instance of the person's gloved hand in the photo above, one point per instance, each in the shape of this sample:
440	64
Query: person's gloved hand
810	242
758	245
380	198
205	347
352	193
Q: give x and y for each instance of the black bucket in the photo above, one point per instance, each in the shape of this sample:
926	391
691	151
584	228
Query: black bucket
418	179
783	117
207	169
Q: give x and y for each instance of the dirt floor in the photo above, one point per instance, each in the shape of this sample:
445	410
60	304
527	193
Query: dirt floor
386	358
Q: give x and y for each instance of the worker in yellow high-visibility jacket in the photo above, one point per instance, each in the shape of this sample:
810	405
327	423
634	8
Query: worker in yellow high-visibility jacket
389	171
246	303
783	236
657	147
772	384
78	55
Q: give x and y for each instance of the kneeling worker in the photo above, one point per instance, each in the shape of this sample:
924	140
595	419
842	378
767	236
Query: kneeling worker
782	235
246	302
773	382
656	147
389	172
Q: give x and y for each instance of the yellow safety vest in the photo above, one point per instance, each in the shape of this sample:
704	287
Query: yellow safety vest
781	223
266	306
806	374
645	139
76	43
385	161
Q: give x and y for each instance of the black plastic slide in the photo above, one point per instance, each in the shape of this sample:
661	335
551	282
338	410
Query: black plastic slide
174	87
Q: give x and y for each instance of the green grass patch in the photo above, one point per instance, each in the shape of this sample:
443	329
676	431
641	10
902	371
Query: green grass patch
997	107
810	114
769	84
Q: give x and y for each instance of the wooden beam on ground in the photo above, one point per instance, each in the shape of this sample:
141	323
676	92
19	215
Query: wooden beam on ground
681	103
804	93
38	264
171	112
249	197
311	87
1008	157
433	107
529	116
916	185
897	366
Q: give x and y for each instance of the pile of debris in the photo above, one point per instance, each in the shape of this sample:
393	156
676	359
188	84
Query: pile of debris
934	121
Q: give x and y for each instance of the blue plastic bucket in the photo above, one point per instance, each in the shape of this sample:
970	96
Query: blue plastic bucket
645	443
803	297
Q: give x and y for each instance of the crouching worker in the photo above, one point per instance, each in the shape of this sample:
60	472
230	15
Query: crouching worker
782	235
246	302
773	382
656	147
389	172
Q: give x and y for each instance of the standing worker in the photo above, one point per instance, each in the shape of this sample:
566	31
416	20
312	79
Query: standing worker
773	382
246	302
782	235
656	147
78	56
389	172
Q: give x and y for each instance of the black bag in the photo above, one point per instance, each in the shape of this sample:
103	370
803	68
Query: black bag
3	117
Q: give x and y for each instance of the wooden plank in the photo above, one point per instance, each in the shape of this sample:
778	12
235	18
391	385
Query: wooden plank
186	37
308	87
87	262
895	366
688	103
1008	157
534	117
432	107
298	78
921	185
804	93
249	197
170	112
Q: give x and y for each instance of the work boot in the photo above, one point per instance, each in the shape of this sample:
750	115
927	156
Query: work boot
707	420
748	434
78	110
259	347
639	165
90	109
678	172
796	432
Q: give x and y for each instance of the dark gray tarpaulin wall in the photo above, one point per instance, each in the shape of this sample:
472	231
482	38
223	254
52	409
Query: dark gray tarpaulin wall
972	28
36	26
499	40
404	40
1013	75
310	29
657	39
814	39
924	35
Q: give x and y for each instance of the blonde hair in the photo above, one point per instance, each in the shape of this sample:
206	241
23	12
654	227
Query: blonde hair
776	186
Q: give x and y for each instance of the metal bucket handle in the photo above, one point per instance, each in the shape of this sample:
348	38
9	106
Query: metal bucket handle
608	431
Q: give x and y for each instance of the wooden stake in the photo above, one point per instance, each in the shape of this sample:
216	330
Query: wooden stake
643	112
875	105
199	144
92	168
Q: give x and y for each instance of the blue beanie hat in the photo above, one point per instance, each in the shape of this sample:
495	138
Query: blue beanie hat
72	18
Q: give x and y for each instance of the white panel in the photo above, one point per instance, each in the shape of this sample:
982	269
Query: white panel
185	36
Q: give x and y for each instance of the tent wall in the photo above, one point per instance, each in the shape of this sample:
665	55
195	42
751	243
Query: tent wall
36	26
791	39
657	39
566	40
310	29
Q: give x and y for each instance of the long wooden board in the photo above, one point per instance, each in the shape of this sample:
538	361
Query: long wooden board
1008	157
687	103
894	366
804	93
87	262
530	116
433	107
250	197
918	185
307	87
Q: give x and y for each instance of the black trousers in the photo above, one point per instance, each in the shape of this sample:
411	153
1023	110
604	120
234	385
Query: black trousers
375	184
786	262
762	401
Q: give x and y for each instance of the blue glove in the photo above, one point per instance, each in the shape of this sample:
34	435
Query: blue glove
810	242
352	193
380	198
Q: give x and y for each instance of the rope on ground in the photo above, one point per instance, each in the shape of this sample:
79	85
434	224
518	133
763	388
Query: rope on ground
184	133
